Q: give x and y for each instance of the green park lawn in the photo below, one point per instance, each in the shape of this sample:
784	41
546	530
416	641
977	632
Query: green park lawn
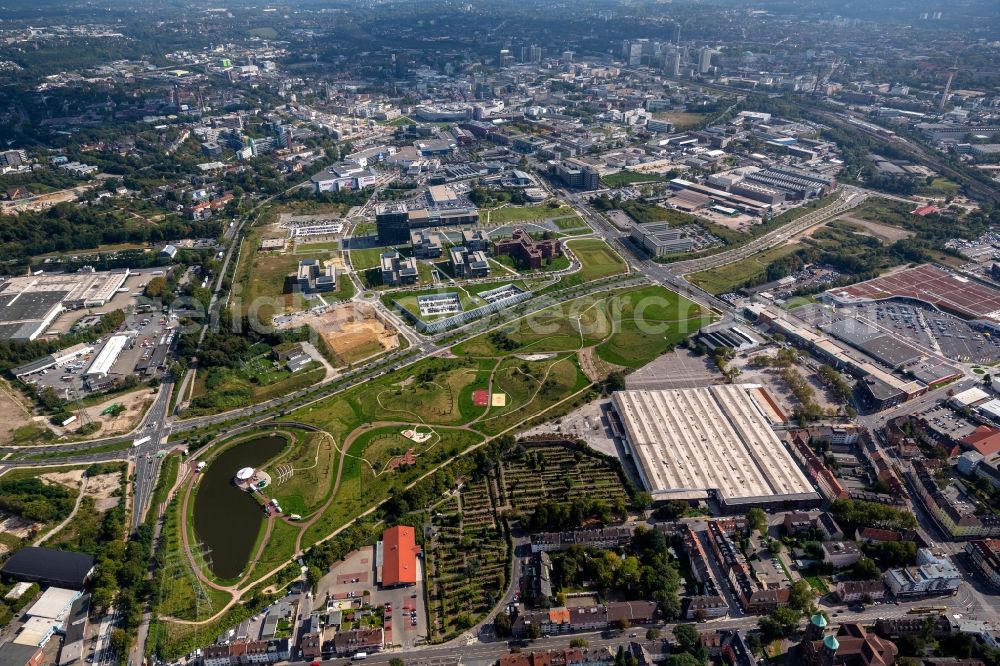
597	259
528	213
733	276
647	319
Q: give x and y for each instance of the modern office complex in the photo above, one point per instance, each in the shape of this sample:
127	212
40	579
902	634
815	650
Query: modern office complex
394	220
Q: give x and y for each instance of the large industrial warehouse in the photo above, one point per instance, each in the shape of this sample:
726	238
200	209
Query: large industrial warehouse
715	442
30	303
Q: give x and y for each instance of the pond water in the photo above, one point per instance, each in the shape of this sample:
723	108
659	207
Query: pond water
227	519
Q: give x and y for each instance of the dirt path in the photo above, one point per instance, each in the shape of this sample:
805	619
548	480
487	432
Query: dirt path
310	349
55	530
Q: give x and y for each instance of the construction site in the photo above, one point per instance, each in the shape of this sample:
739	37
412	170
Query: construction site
354	331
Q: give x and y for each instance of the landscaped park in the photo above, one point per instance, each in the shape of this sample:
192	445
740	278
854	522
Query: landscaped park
337	460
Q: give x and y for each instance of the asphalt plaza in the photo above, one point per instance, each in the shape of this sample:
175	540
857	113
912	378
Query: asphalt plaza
352	581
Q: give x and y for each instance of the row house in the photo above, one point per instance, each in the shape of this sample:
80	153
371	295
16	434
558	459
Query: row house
565	657
797	523
708	603
959	520
242	653
205	209
828	484
731	647
985	555
349	643
606	538
586	618
852	591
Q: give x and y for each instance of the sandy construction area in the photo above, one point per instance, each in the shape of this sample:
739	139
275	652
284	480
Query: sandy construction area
13	414
17	527
135	403
101	489
353	332
72	478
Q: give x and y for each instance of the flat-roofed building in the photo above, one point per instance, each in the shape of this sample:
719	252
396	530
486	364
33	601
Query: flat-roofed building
392	223
934	574
50	567
394	220
105	359
712	442
346	175
442	195
272	244
758	192
475	239
315	276
25	316
468	264
425	244
397	269
660	239
577	174
527	250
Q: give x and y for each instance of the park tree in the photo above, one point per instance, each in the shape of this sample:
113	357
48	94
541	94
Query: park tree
615	382
781	623
502	625
687	637
801	595
653	634
119	642
757	520
866	569
642	500
671	510
683	659
313	575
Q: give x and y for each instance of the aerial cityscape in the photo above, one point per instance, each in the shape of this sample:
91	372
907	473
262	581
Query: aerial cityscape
427	333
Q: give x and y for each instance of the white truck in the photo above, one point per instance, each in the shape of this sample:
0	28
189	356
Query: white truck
359	656
141	441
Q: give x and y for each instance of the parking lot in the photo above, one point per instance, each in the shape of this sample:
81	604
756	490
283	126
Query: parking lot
351	583
928	329
950	336
149	341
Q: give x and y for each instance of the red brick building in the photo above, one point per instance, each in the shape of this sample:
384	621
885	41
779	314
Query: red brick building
527	250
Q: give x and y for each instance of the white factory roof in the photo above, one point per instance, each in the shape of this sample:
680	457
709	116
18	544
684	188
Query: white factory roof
990	409
54	603
35	632
969	397
687	442
108	355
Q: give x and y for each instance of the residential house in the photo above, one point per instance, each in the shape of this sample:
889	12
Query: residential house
850	591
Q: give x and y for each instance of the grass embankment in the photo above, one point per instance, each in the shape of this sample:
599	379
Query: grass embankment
732	276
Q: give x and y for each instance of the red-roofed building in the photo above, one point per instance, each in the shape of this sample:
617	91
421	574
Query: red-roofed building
985	440
926	210
399	557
